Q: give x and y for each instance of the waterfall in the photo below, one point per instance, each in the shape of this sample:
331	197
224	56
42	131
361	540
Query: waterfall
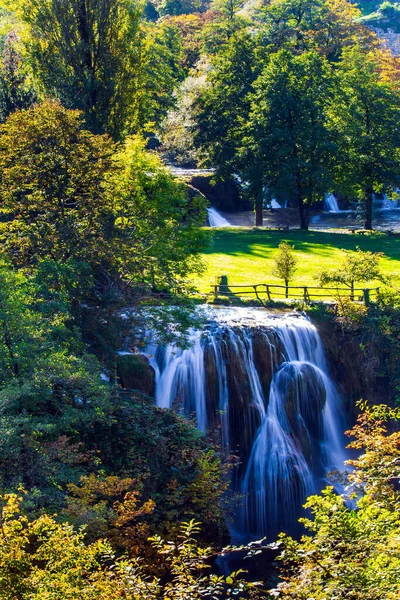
216	219
331	203
261	382
386	203
300	438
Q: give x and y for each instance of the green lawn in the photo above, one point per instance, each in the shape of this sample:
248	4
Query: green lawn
246	255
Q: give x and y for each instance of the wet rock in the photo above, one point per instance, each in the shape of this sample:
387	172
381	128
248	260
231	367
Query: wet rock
304	398
267	354
135	373
212	386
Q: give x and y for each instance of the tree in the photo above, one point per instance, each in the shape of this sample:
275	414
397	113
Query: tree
85	54
52	187
227	19
357	267
353	549
326	26
285	264
158	74
224	104
158	225
16	90
177	127
364	118
286	148
49	385
67	193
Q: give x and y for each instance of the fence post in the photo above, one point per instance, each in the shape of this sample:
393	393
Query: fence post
222	282
306	297
366	296
268	292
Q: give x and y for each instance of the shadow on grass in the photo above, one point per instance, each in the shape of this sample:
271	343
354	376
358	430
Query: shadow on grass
240	242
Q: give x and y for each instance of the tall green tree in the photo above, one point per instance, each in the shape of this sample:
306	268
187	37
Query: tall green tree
159	73
326	26
85	53
364	119
224	104
286	145
67	193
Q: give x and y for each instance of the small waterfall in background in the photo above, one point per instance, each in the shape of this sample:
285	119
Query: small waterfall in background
385	203
331	203
216	219
261	383
275	204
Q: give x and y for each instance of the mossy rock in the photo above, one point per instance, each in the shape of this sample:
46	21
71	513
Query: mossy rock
135	373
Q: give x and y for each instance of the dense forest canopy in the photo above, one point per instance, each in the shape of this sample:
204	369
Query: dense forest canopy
102	493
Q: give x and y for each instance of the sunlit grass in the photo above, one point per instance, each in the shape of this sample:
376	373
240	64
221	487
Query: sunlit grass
246	255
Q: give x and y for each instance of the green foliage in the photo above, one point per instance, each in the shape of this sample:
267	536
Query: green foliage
86	55
285	262
158	235
364	119
52	187
59	421
357	267
181	7
159	72
353	551
285	138
16	90
326	26
224	103
378	329
67	193
41	560
228	20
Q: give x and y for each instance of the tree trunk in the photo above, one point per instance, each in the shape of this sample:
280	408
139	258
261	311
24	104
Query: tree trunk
258	212
84	33
368	208
287	288
303	212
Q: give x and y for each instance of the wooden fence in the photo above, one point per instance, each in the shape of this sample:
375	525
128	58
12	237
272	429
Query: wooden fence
270	292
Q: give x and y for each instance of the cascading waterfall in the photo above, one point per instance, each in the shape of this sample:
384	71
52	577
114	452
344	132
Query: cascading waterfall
300	438
216	219
331	203
263	383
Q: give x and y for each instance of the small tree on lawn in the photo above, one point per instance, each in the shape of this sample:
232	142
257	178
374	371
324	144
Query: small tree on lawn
358	267
285	264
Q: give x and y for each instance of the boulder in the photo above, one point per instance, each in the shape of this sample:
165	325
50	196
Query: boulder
135	373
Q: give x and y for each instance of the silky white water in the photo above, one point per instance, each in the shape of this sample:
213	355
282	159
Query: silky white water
216	219
261	382
331	203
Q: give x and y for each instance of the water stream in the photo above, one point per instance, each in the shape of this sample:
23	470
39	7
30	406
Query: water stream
262	384
216	219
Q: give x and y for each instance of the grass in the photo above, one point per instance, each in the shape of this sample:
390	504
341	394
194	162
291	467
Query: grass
246	256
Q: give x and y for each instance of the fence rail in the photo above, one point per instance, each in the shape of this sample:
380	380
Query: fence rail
306	293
